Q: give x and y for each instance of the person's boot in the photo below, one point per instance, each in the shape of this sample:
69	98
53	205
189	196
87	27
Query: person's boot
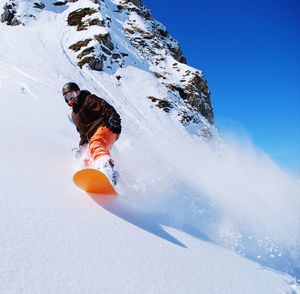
106	165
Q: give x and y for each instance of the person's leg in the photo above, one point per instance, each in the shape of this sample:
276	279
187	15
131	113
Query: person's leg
101	142
99	147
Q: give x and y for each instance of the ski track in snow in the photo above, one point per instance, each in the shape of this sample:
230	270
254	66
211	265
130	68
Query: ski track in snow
186	207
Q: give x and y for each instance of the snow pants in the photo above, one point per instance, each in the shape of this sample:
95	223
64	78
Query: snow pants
101	142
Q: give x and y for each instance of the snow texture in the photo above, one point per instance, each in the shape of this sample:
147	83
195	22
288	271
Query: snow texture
192	217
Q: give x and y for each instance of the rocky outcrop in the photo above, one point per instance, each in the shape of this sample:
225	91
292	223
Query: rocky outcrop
110	34
39	5
156	32
105	40
71	1
164	104
137	3
153	40
81	18
80	44
9	14
177	54
196	95
94	51
95	63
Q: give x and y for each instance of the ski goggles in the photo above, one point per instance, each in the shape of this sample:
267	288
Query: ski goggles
70	95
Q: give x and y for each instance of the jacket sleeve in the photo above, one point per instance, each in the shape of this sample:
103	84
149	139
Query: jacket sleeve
83	138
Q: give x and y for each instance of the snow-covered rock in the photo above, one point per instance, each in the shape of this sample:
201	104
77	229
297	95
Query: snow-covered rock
107	35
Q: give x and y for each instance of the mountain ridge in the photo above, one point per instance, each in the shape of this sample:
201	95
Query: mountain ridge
98	28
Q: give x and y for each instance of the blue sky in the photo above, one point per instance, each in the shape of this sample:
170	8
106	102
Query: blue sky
249	52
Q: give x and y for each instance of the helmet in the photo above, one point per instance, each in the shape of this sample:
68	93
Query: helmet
70	87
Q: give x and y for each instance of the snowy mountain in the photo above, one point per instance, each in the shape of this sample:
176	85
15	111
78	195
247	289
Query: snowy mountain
109	35
197	213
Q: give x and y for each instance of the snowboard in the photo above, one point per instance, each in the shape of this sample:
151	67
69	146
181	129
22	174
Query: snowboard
93	181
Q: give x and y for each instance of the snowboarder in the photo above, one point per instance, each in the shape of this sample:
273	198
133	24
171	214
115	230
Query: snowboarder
98	124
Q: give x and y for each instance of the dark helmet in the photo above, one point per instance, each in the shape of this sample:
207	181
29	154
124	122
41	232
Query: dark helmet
69	87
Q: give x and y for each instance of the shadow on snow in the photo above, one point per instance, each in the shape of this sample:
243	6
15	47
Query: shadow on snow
152	223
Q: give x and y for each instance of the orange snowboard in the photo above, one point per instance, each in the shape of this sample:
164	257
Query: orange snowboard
93	181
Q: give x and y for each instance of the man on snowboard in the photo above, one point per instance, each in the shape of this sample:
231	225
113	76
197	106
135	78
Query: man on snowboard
98	124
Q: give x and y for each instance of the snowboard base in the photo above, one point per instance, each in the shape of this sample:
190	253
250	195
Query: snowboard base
93	181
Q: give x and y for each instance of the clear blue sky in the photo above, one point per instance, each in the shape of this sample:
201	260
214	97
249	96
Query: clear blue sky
249	52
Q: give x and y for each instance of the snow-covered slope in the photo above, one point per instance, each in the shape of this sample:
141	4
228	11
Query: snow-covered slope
193	216
109	35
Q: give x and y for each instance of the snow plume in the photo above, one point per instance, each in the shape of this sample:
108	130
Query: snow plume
227	192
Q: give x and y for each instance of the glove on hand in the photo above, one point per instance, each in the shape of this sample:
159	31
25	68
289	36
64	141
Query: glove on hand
114	124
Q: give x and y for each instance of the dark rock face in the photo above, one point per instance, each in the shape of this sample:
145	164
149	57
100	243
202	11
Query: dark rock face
8	15
89	54
94	63
77	46
39	5
105	39
177	54
161	103
75	18
59	3
137	3
196	95
86	52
